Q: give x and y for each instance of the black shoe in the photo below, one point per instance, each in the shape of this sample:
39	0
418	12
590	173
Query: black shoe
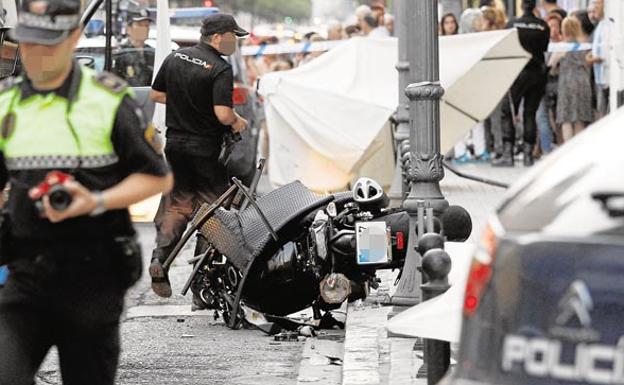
507	157
160	279
198	303
503	162
528	155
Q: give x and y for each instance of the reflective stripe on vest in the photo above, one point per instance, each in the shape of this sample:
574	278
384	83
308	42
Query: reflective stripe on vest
42	137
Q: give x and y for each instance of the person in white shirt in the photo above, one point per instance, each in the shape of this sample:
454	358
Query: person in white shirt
599	58
360	13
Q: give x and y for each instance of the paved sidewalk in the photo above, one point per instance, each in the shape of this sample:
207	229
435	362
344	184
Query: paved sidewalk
478	198
370	356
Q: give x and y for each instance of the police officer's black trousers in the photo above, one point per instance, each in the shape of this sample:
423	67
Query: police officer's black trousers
197	180
530	86
69	301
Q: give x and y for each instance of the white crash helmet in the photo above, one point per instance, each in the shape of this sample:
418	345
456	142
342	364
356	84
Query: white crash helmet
367	191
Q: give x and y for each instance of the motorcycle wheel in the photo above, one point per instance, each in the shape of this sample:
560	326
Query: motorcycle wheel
227	313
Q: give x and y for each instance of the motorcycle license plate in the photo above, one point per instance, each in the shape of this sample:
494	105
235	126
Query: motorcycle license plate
373	243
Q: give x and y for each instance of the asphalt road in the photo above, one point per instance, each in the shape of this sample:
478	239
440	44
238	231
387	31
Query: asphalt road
185	349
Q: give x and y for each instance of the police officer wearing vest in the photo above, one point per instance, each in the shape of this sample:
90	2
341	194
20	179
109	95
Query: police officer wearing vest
196	84
69	268
134	60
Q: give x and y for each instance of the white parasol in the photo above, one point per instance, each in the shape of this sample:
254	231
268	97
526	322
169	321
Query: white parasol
323	116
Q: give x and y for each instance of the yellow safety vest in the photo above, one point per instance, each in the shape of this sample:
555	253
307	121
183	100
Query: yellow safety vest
52	132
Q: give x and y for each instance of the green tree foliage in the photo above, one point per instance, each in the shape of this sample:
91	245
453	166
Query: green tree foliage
274	10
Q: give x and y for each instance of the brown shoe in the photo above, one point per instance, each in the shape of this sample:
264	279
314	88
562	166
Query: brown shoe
160	279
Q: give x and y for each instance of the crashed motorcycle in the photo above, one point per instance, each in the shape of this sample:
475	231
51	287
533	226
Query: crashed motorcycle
292	249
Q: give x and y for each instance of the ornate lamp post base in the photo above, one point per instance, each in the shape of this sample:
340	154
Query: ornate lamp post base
425	162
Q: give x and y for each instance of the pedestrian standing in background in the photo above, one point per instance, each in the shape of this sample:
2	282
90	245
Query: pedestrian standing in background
592	15
574	109
379	12
587	27
493	19
69	267
599	58
360	12
369	24
196	84
471	20
448	25
534	35
501	18
372	29
549	130
373	23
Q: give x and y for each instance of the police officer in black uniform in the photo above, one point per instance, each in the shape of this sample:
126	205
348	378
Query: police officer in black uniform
134	59
530	86
69	268
196	84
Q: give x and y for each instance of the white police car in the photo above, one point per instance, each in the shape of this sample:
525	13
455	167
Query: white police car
544	301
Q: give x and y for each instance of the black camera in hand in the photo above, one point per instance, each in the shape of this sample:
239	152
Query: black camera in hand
230	137
52	187
229	140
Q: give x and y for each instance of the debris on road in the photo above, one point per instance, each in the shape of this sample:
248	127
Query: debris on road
287	336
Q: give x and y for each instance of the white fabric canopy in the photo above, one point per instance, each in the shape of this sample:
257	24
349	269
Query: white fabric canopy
323	117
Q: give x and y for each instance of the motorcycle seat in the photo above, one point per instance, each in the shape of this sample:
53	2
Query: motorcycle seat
341	198
241	236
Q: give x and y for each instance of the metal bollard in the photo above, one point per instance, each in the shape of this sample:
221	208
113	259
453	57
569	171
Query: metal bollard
436	264
427	241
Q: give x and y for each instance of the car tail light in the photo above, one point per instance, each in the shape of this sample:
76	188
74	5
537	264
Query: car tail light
480	271
240	95
400	240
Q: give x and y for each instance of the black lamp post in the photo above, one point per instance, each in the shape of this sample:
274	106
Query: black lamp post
403	23
425	170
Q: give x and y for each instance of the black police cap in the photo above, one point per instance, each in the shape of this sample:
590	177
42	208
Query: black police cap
46	22
221	23
140	15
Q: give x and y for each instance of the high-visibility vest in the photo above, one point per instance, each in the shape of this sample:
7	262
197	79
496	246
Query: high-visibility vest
51	132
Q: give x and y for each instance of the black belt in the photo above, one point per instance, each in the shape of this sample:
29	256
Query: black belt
68	250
